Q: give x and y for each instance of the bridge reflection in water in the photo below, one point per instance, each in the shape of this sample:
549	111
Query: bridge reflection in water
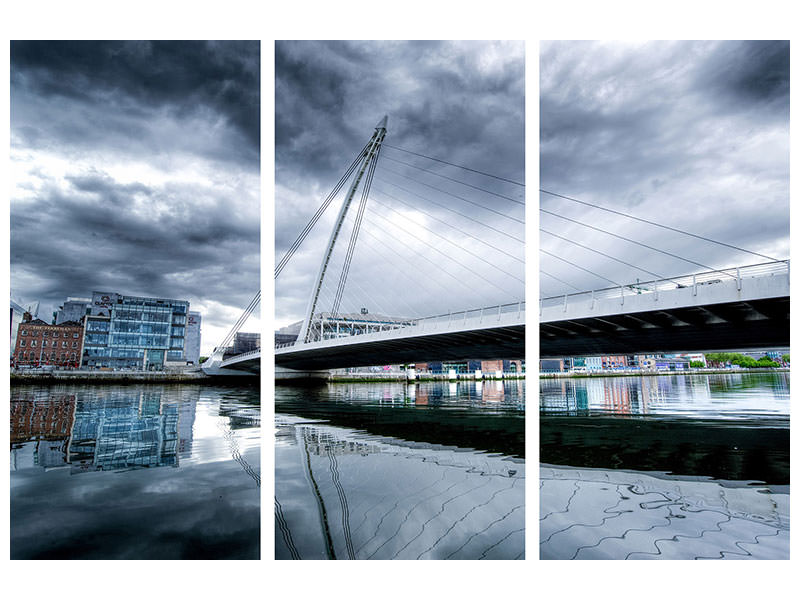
677	466
366	471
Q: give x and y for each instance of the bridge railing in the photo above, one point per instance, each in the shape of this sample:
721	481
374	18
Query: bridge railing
484	315
775	268
243	355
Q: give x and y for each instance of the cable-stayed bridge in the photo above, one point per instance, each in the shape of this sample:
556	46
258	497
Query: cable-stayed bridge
221	363
418	244
709	309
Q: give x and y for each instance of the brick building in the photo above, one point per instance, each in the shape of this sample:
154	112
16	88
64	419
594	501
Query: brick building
40	344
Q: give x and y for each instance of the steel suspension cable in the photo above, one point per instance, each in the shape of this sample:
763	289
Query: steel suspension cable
604	254
543	251
244	316
416	282
454	260
543	272
354	233
621	237
675	229
439	160
497	212
438	267
456	245
522	202
310	225
461	231
452	210
380	288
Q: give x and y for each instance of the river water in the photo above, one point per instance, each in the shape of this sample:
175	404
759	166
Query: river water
135	472
400	471
679	466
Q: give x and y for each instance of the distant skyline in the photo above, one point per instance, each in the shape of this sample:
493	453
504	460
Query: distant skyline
135	169
693	135
463	102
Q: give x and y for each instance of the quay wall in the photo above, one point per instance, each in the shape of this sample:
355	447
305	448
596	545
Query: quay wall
568	375
106	377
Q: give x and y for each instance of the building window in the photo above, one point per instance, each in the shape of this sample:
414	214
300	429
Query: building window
24	332
44	344
22	343
72	356
75	335
55	334
45	334
74	344
33	343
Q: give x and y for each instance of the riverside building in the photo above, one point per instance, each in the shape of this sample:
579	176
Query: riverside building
193	335
134	333
41	344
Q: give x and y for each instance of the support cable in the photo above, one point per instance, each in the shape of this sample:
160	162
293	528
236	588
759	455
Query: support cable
497	212
452	210
415	282
455	165
439	268
699	237
244	316
656	275
458	262
475	187
621	237
313	221
451	226
362	291
354	233
543	272
470	252
543	251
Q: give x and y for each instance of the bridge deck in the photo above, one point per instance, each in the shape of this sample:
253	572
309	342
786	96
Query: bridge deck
501	336
712	313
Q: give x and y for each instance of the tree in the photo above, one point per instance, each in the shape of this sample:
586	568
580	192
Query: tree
785	358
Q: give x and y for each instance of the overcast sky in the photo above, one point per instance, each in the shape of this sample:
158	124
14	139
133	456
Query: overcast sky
694	135
427	243
135	170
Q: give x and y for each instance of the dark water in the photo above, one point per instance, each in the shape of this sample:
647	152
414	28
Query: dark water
683	466
396	471
135	472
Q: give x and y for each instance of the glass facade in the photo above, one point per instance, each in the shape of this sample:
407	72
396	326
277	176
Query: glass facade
136	333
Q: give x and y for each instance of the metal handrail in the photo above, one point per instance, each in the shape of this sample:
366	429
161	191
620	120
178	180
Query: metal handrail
659	285
488	312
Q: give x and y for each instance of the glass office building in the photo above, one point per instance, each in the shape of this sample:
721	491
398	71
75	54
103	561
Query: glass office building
132	332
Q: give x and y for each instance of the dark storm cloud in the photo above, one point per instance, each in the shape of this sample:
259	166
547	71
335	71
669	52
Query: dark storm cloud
136	170
693	135
462	102
134	78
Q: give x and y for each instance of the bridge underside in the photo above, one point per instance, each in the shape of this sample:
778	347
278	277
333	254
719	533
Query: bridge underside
488	343
251	366
711	327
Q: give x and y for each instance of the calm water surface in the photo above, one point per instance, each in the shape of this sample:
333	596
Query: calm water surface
135	472
390	470
683	466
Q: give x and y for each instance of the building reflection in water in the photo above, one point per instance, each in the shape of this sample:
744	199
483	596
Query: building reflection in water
662	394
505	392
119	430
